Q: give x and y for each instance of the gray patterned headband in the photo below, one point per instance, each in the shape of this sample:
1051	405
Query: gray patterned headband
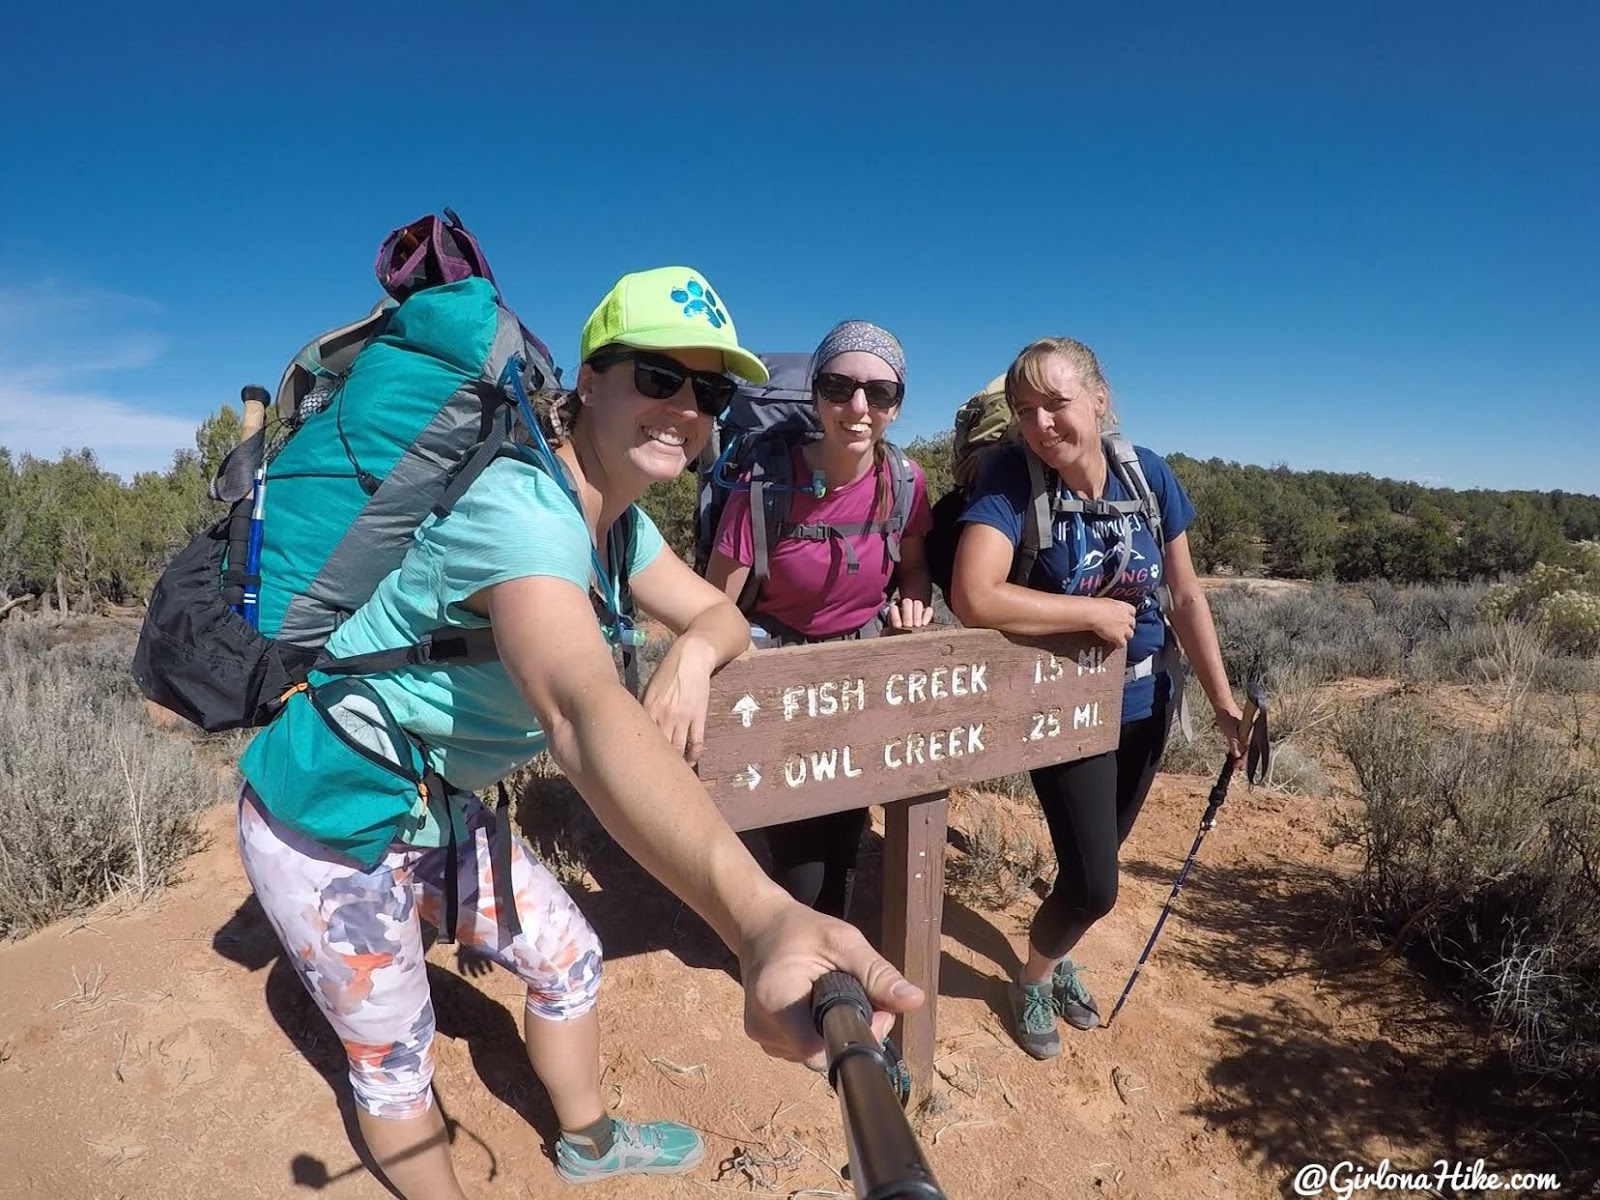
866	337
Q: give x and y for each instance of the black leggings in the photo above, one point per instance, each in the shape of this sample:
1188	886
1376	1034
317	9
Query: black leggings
815	859
1090	805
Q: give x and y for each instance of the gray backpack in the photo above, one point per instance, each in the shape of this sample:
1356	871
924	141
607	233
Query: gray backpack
757	437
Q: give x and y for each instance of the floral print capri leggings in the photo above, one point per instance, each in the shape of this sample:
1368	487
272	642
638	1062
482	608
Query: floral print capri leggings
355	937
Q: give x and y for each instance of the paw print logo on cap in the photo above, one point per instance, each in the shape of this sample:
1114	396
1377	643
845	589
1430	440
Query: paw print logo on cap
696	298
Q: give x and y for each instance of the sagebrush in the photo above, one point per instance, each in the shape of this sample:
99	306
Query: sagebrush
95	800
1479	851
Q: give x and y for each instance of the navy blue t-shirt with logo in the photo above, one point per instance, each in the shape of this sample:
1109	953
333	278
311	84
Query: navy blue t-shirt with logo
1001	502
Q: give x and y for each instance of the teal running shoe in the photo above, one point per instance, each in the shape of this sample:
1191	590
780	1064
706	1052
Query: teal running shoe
1072	999
1033	1019
652	1148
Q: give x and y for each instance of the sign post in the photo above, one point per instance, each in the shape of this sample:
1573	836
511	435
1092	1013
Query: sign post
898	721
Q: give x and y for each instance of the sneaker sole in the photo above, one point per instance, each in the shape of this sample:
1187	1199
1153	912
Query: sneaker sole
675	1169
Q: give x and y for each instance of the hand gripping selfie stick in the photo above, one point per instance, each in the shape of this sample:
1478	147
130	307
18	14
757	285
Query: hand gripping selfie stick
886	1160
1258	751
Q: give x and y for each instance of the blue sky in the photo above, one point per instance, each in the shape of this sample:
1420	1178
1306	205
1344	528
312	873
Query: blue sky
1357	237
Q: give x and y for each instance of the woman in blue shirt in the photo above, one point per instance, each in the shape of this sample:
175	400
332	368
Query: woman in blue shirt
1062	406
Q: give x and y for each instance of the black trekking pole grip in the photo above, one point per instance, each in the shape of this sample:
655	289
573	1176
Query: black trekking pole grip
886	1161
1219	790
1219	793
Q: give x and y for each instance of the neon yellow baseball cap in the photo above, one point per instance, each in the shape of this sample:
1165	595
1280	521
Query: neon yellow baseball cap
668	308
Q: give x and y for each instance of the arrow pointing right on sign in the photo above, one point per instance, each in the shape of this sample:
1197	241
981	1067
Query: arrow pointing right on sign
750	777
746	708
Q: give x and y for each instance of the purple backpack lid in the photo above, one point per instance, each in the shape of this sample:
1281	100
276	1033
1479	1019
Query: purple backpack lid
428	252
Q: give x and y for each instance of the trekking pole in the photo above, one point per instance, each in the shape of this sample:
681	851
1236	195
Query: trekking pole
1253	733
886	1160
254	399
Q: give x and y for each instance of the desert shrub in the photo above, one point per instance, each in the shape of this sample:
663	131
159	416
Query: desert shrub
1323	632
997	868
1447	633
94	799
1453	657
1298	772
1563	601
1297	704
1572	619
1203	755
1296	708
561	829
1568	675
1478	854
1013	787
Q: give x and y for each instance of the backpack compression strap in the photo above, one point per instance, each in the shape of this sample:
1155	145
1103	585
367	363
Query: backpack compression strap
468	647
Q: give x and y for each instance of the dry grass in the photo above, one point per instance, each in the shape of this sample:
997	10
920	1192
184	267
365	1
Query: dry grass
562	830
998	866
1480	852
95	801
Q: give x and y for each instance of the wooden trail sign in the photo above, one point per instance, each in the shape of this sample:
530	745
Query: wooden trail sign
898	721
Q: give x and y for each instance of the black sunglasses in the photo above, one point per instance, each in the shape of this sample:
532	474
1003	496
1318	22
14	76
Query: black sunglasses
661	378
838	389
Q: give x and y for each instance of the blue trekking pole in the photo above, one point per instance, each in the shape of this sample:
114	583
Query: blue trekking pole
1253	733
254	399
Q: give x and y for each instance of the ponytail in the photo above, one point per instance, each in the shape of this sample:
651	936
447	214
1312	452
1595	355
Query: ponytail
883	491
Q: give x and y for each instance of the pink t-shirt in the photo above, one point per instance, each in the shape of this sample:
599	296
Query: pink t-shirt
810	589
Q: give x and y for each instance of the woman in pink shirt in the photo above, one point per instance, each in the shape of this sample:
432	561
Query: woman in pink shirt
841	585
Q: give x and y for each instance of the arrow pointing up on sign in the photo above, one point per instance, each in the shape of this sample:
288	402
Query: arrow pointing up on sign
746	708
750	777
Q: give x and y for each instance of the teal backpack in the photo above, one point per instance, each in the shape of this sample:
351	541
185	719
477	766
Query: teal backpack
379	423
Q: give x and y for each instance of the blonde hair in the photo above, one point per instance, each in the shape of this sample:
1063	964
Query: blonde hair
1027	371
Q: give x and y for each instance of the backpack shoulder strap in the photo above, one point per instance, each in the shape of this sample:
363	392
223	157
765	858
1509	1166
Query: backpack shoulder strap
1169	658
497	445
902	487
709	499
1036	521
771	477
1124	461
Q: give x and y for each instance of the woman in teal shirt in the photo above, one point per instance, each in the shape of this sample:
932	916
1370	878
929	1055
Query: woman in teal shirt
533	551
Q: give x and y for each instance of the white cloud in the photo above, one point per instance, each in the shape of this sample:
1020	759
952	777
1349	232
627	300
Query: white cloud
67	359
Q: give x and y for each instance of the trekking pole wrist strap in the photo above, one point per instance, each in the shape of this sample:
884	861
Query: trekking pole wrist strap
858	1050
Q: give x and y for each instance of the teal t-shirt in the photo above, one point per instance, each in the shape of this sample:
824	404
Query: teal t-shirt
513	522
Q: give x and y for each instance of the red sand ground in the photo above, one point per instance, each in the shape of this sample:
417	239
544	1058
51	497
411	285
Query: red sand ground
163	1050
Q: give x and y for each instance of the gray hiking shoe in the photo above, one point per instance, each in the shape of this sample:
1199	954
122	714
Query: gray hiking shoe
1072	1000
653	1148
1033	1019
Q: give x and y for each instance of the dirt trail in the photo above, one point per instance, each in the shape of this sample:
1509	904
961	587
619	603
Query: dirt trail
163	1050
